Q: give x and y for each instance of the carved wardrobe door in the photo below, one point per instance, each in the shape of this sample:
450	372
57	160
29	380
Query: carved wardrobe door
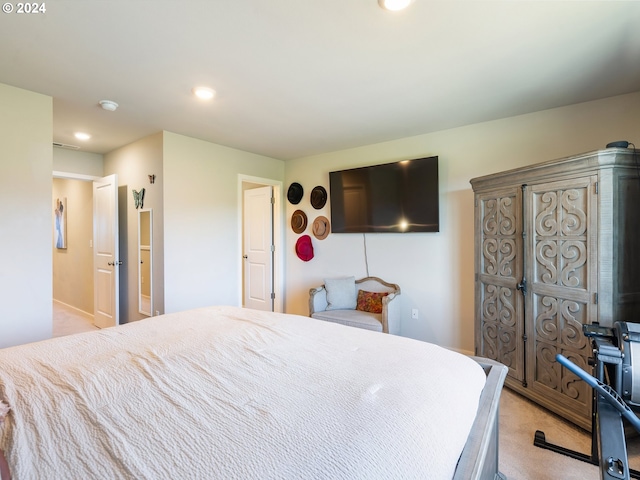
499	270
561	269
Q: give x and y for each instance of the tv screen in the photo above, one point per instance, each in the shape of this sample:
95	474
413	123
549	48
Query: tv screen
390	198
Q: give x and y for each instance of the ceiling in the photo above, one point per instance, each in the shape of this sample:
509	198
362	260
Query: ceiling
295	78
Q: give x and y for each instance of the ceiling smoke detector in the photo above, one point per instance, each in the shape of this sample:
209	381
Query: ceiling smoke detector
108	105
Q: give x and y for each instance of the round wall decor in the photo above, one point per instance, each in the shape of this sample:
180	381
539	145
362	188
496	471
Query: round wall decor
321	227
299	221
304	248
318	197
295	193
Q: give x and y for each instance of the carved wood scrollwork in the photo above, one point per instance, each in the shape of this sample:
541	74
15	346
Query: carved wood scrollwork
499	326
558	325
561	241
546	221
572	386
574	221
499	251
490	219
498	225
499	217
550	373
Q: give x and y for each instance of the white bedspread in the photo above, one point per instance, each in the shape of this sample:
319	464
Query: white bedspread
231	393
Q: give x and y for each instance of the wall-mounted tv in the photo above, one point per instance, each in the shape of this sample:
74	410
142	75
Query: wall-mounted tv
389	198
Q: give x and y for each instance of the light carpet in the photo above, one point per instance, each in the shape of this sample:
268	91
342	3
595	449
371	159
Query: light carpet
68	320
520	459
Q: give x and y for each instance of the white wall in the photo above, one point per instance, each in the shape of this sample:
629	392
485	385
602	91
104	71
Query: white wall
436	271
77	162
202	252
133	164
25	230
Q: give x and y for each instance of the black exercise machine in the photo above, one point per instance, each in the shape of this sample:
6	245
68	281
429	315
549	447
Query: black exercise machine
616	387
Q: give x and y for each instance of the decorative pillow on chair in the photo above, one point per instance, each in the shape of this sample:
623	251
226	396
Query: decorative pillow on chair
341	293
370	301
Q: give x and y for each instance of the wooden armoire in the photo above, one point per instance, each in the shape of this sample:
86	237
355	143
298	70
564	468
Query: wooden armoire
557	245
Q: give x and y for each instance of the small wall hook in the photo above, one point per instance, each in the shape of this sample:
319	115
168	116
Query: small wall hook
152	179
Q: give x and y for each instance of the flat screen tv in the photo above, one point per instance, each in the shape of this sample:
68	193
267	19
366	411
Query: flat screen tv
389	198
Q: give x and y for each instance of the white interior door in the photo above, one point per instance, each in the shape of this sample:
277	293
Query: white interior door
105	252
258	248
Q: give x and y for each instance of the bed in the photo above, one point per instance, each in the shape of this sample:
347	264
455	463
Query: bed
226	392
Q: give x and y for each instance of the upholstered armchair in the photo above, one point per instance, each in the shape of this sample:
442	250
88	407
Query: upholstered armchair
369	303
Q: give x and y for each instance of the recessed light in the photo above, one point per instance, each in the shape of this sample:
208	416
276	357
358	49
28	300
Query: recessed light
82	136
394	5
108	105
204	93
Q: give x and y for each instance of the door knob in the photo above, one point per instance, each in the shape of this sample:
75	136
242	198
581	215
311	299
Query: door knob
245	256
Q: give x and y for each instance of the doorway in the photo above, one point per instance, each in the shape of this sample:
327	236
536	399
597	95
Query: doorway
74	279
73	265
269	269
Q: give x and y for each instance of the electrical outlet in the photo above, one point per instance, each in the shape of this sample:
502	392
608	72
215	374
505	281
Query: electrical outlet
414	313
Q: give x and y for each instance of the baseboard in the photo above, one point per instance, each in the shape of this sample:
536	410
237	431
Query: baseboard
77	310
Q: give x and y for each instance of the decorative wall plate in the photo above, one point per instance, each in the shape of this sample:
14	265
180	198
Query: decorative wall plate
295	193
321	227
299	221
318	197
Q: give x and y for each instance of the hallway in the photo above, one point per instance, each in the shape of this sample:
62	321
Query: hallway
67	320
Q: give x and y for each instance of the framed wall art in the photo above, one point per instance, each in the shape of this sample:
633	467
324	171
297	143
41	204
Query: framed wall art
60	212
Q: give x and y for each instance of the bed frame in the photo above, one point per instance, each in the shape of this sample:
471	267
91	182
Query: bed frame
479	458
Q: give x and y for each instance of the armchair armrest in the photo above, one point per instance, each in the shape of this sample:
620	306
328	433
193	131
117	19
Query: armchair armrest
317	300
391	313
